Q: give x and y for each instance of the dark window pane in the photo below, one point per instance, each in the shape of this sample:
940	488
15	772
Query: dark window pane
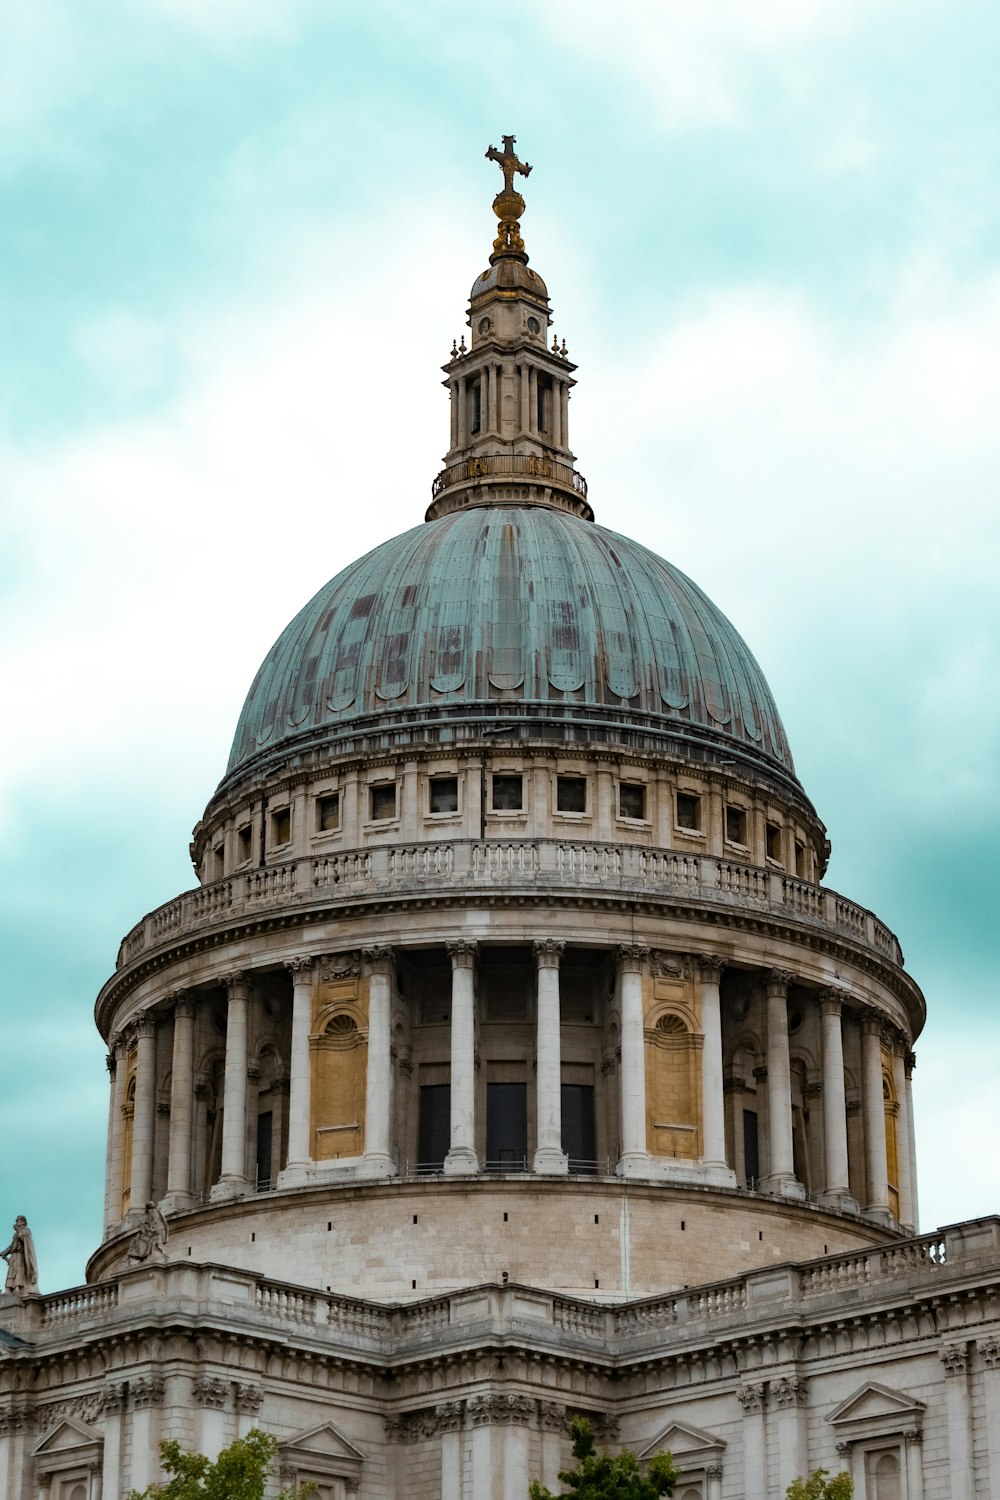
688	810
508	793
244	840
632	800
579	1134
328	812
751	1157
506	1127
265	1124
281	826
772	837
571	794
736	825
444	794
383	802
434	1132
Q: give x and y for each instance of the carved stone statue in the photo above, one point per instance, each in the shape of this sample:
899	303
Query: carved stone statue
22	1266
150	1238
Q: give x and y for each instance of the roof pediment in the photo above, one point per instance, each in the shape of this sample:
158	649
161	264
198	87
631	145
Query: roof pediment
323	1449
67	1434
688	1446
875	1409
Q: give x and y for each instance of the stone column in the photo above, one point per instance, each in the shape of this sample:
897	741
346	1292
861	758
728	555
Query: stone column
557	413
463	421
989	1349
296	1168
634	1161
453	387
955	1358
781	1167
144	1117
714	1476
873	1104
549	1154
713	1099
378	1160
462	1156
837	1186
788	1398
116	1133
232	1182
903	1153
492	422
564	397
909	1063
532	399
752	1397
181	1108
525	396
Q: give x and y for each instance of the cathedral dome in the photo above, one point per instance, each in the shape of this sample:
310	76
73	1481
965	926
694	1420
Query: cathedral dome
511	610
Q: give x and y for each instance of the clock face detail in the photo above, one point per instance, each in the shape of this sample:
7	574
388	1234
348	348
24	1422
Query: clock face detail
534	326
485	324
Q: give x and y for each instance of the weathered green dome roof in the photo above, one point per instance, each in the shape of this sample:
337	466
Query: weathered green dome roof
510	605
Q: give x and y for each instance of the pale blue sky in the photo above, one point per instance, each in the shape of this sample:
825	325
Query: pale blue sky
236	239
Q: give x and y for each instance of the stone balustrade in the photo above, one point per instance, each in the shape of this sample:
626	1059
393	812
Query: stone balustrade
939	1262
538	865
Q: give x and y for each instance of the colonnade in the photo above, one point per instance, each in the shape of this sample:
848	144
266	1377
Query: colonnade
635	1159
489	377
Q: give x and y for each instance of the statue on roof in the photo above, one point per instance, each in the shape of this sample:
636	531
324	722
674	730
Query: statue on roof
22	1264
150	1238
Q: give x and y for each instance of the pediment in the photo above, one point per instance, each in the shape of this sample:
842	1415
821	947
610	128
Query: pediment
66	1436
323	1448
877	1407
689	1446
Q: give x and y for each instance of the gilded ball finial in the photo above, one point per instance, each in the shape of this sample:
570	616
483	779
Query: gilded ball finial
508	205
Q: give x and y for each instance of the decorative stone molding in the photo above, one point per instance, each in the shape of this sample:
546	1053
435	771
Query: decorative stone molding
832	1002
990	1350
776	982
184	1006
666	965
632	958
14	1419
843	1449
500	1410
462	953
339	966
913	1435
300	969
710	967
412	1426
790	1390
210	1391
450	1416
955	1358
714	1471
111	1063
146	1390
378	960
238	985
909	1063
145	1025
112	1398
552	1417
548	952
249	1397
752	1396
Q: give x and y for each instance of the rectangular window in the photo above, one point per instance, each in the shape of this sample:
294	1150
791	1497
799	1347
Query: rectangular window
571	794
476	406
265	1135
543	402
579	1133
736	825
219	861
383	801
434	1130
772	840
632	800
751	1154
508	793
328	812
444	794
244	843
688	810
281	826
800	860
506	1127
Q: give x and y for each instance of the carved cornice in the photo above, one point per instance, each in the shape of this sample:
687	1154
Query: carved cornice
548	952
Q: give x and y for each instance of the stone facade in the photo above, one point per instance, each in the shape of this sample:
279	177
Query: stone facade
510	1059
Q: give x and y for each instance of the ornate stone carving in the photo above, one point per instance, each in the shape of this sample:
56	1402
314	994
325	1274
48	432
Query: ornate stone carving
144	1024
249	1397
210	1391
300	969
146	1390
378	960
913	1435
462	953
237	985
831	1002
548	952
339	966
150	1238
909	1063
552	1417
990	1350
112	1398
776	982
500	1409
752	1396
710	967
450	1416
184	1005
14	1419
844	1448
714	1471
955	1358
632	958
22	1263
790	1390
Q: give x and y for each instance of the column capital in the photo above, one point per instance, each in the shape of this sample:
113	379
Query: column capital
790	1390
462	953
378	960
183	1005
990	1350
832	1002
548	952
776	982
710	967
145	1024
955	1358
752	1396
909	1063
300	969
871	1025
111	1062
632	958
238	985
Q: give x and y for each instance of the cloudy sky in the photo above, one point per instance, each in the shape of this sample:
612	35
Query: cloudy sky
236	239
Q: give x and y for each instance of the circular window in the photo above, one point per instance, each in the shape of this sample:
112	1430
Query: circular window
741	1005
534	326
794	1020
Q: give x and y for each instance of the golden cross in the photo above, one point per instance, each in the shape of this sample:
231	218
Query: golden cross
508	162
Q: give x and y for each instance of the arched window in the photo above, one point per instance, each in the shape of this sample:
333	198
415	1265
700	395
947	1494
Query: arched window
883	1475
672	1088
891	1108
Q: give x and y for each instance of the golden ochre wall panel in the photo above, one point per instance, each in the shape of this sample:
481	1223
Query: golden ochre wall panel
339	1054
673	1069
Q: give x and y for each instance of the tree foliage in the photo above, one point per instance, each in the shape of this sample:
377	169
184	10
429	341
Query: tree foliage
820	1487
598	1476
240	1472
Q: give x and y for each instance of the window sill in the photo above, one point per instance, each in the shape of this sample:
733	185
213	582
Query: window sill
690	833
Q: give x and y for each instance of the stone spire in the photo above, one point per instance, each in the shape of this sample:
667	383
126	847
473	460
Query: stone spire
509	389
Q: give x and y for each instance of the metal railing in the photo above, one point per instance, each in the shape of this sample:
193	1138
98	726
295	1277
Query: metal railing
511	465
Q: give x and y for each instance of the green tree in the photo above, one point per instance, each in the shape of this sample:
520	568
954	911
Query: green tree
820	1487
598	1476
240	1472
